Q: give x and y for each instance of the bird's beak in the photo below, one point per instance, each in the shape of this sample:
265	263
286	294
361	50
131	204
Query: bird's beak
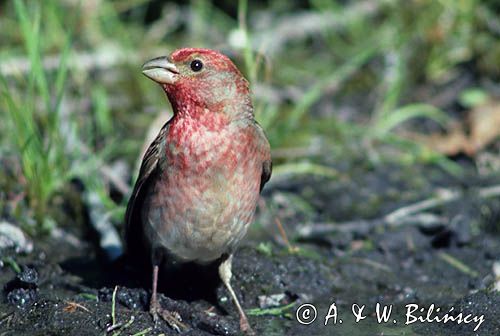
160	70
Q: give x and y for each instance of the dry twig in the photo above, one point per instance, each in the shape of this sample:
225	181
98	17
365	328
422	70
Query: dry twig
412	214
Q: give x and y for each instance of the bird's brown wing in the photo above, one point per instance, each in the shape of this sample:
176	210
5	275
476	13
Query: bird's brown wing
265	150
149	168
267	168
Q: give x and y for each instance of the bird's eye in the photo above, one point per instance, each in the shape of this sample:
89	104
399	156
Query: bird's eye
196	65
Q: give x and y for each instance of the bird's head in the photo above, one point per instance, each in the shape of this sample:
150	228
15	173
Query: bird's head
198	81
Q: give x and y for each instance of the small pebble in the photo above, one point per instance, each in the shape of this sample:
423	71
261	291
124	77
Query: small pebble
21	297
28	276
12	236
269	301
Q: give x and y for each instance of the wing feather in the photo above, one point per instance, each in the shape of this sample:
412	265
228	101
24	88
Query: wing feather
149	168
265	151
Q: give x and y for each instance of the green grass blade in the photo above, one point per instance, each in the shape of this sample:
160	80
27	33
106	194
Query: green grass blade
315	93
30	29
405	113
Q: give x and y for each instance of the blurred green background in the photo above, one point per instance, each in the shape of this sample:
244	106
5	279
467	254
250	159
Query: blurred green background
332	80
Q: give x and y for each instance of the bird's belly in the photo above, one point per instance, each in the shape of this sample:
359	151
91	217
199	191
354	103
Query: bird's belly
198	217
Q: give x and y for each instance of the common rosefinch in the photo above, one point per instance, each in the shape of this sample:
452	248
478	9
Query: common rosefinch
200	179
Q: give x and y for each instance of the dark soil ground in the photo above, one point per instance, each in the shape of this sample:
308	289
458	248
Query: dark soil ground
67	289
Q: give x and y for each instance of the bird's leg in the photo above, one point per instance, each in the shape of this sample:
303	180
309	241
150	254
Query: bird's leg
225	274
173	319
154	305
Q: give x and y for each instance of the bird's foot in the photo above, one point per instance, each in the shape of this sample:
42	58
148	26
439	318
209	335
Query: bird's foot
245	326
173	318
154	308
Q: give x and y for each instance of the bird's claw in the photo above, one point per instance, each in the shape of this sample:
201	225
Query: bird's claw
173	319
245	327
154	308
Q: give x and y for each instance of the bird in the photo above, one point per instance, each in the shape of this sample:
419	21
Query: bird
200	179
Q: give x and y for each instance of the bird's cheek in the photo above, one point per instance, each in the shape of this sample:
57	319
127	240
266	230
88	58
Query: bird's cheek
223	91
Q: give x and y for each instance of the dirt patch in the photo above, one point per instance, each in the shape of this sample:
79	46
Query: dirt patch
64	290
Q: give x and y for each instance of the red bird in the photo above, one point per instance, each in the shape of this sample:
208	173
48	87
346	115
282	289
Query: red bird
200	179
